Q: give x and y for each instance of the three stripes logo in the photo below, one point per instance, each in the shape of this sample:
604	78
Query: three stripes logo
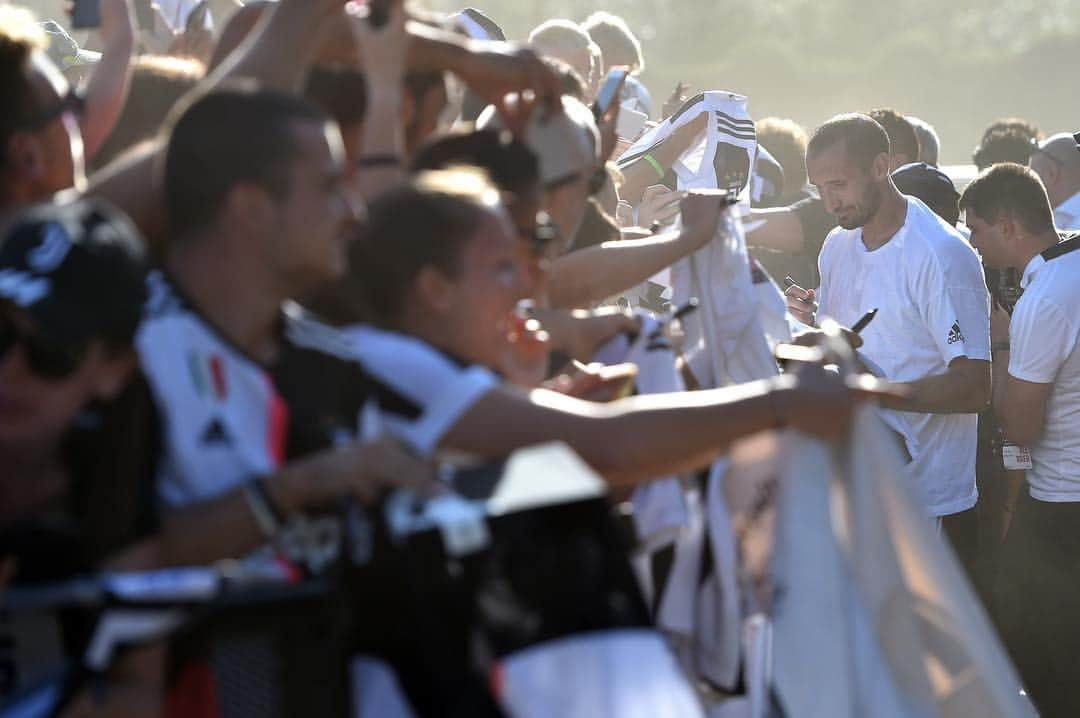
955	335
734	127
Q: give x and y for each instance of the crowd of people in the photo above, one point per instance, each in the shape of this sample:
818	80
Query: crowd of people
259	260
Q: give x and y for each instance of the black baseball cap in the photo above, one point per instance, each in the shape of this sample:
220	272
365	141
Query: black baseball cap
78	269
931	185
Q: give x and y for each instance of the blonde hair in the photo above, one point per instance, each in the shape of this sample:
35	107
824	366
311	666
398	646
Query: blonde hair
617	42
560	35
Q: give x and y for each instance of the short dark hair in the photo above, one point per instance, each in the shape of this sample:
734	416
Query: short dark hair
238	133
864	138
1015	124
1013	189
509	162
902	136
427	222
1005	144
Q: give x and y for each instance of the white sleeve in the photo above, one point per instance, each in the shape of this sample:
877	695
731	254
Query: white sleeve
434	390
957	305
1040	338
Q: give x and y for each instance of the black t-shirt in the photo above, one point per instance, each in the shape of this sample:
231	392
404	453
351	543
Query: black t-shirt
109	454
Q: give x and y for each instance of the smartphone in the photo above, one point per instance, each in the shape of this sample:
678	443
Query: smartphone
86	14
609	91
379	12
630	123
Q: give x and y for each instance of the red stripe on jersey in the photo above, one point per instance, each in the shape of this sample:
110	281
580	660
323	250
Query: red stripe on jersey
193	694
278	424
217	375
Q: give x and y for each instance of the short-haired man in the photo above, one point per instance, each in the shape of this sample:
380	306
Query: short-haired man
1037	402
929	142
931	332
903	140
566	41
260	403
1057	163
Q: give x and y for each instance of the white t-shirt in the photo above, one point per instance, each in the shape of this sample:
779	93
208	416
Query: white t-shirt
933	307
1067	214
443	385
1044	338
227	418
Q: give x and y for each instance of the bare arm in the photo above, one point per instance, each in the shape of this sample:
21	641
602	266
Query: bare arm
963	389
640	174
575	281
225	527
384	51
108	87
1020	406
642	437
277	55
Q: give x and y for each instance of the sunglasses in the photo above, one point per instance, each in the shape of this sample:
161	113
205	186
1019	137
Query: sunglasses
72	102
47	358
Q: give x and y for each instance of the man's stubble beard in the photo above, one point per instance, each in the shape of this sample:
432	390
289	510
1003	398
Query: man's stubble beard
870	206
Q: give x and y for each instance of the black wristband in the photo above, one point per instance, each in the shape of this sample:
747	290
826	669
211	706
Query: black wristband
999	346
383	160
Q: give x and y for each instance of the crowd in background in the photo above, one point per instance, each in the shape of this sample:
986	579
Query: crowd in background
257	260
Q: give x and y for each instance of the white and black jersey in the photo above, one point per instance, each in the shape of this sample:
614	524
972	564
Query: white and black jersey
227	418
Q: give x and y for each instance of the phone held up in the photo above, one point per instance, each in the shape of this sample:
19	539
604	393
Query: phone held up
86	14
609	91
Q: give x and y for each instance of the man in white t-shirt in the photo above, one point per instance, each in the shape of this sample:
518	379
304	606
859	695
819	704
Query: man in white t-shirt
1038	405
1057	163
931	331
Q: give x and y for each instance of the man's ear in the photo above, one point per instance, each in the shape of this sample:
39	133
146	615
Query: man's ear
880	166
1010	227
113	370
250	205
435	289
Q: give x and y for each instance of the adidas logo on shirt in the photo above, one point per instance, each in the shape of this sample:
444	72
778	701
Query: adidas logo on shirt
955	335
215	434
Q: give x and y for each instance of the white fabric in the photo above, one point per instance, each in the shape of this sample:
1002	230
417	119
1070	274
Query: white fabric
724	344
933	307
376	692
872	615
200	381
1045	348
628	673
659	507
414	369
1067	214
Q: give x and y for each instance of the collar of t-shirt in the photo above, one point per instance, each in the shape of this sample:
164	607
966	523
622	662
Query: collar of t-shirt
1029	271
1067	214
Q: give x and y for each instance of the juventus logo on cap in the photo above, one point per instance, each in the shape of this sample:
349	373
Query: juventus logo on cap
54	248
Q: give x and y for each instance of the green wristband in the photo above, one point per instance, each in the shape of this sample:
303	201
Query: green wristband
655	165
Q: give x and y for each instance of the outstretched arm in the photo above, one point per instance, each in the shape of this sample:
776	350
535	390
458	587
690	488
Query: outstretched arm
575	281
